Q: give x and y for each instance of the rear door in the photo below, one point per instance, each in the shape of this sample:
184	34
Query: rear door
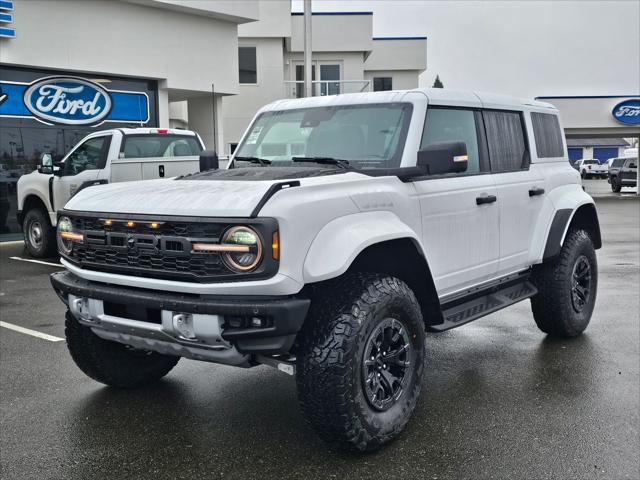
629	172
520	188
460	224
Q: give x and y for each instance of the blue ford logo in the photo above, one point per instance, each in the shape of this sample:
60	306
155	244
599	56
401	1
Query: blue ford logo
627	112
67	100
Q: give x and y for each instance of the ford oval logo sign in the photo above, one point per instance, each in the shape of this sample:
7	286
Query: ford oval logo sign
627	112
68	101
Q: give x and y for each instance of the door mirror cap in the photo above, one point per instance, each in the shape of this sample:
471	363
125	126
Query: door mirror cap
444	157
209	160
45	164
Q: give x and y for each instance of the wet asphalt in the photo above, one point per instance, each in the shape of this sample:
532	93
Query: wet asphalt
500	399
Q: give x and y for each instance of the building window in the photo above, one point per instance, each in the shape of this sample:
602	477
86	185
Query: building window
247	64
380	84
232	148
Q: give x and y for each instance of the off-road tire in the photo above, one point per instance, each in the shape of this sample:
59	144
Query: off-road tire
330	350
553	305
616	186
113	363
47	245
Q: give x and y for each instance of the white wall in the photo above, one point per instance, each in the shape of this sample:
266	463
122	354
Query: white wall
405	54
401	79
333	33
274	20
121	38
239	109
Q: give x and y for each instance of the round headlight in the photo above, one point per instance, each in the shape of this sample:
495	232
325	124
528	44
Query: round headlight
249	252
65	245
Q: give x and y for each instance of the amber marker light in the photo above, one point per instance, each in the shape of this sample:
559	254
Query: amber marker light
108	223
130	223
275	246
74	237
154	225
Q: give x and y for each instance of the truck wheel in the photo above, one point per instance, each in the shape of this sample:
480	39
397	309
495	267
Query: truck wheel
360	360
583	174
39	235
567	288
112	363
615	185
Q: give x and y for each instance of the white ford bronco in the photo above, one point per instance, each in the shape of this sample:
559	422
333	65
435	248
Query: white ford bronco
117	155
344	229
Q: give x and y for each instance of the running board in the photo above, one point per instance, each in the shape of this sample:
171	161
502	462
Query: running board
457	313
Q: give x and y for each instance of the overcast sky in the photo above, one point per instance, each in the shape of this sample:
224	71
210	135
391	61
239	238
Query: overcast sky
524	48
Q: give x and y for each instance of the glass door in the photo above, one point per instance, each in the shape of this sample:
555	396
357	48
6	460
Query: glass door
330	77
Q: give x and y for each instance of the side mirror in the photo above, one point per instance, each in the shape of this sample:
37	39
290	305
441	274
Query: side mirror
209	160
445	157
45	164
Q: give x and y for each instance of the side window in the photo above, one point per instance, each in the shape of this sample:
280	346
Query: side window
88	156
546	130
453	125
505	137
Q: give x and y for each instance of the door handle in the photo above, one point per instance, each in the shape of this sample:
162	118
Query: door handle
485	199
161	171
536	191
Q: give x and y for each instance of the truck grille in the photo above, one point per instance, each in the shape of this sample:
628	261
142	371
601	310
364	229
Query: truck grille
163	251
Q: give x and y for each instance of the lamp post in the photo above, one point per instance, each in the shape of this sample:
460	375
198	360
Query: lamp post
307	49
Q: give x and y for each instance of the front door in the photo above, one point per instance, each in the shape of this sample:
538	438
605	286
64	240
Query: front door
81	166
460	217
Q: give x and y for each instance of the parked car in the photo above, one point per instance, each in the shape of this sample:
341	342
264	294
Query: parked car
403	212
107	156
590	167
623	173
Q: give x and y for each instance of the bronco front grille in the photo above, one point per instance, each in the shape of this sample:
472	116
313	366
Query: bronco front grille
164	251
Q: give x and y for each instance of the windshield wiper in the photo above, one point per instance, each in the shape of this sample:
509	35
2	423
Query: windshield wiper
344	164
261	161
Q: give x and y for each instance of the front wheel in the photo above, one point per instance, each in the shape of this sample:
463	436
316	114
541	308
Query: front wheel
615	185
567	288
583	174
360	360
39	235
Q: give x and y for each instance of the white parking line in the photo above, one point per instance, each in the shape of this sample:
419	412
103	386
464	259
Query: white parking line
37	261
28	331
12	242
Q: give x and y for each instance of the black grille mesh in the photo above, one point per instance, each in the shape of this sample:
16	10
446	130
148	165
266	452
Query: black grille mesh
152	262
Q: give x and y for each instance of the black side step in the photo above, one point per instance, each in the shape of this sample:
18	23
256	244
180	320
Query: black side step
459	312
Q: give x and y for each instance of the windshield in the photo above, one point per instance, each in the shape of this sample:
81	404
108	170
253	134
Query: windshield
367	136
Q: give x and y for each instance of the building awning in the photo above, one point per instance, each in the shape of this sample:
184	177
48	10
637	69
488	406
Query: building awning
597	142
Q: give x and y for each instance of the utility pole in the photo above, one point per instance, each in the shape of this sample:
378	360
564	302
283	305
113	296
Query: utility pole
308	86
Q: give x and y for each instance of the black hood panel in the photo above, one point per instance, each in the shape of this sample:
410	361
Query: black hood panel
256	174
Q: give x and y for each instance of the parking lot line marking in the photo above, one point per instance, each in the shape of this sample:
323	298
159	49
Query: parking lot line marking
37	261
12	242
28	331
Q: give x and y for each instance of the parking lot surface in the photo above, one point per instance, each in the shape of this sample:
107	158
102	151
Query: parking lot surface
500	399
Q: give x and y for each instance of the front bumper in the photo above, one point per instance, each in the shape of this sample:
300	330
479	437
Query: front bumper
221	325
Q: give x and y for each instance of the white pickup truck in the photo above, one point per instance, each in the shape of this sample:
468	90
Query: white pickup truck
107	156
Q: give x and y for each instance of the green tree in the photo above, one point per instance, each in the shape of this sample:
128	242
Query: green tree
438	83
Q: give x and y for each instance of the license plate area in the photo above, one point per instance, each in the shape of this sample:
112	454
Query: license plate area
133	312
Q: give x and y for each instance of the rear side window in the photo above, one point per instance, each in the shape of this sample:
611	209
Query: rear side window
590	162
453	125
546	130
162	145
505	138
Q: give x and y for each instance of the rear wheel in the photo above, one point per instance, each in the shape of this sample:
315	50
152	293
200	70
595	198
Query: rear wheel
361	360
567	288
583	174
39	235
112	363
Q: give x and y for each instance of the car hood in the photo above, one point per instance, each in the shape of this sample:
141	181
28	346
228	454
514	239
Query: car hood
177	197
